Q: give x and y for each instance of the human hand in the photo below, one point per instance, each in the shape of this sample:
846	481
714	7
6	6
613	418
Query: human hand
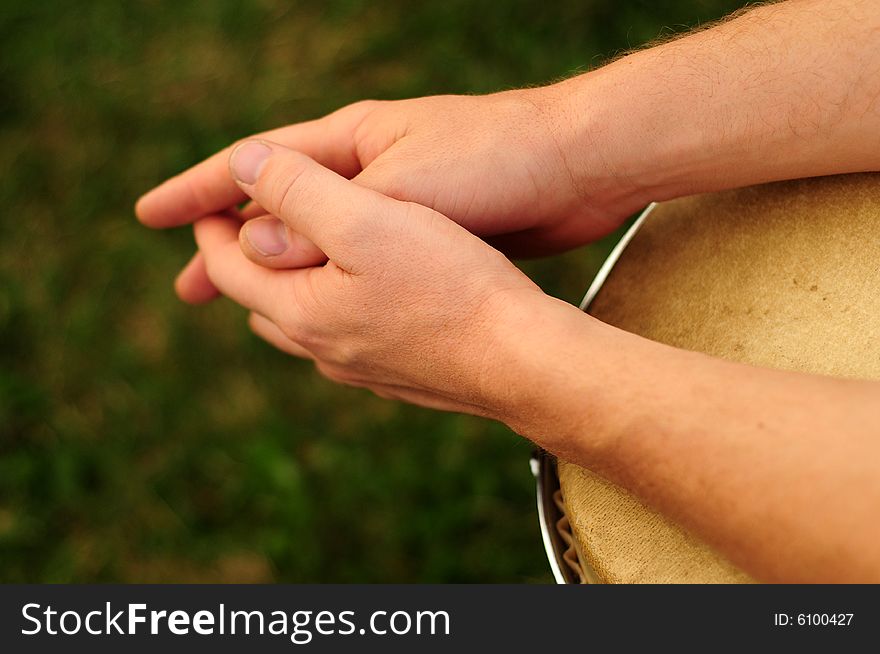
496	164
409	305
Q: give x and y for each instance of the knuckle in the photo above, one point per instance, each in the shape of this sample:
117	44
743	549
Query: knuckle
198	191
253	323
305	319
329	343
282	182
379	125
297	329
388	175
302	332
339	374
325	341
366	105
347	355
325	370
383	393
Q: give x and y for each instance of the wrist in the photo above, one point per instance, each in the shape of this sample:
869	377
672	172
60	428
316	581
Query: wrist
544	379
623	141
587	153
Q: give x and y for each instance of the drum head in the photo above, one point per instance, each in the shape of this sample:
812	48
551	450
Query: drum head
783	275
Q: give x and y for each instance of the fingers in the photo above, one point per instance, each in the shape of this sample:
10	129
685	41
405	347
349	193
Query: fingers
207	187
272	334
269	242
341	218
192	284
248	284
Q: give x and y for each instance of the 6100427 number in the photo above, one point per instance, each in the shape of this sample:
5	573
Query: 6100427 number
813	619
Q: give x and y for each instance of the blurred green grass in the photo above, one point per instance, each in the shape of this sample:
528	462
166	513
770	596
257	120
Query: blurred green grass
144	440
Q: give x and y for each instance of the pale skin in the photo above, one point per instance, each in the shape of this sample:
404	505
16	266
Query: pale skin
365	250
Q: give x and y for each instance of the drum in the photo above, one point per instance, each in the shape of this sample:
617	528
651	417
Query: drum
783	275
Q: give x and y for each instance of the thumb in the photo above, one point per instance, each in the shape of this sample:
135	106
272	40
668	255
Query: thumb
268	242
342	219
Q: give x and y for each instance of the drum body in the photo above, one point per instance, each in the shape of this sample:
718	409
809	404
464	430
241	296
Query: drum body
783	275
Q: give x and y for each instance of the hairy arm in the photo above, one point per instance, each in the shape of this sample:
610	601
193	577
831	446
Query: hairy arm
782	91
778	470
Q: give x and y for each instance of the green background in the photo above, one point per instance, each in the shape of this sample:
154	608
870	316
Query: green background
145	440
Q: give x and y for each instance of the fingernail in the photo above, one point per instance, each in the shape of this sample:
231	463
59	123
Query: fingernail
268	237
247	161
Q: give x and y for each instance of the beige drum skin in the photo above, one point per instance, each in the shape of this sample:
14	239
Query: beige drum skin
783	275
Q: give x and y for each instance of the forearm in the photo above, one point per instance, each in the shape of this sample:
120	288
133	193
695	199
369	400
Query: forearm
760	463
784	91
